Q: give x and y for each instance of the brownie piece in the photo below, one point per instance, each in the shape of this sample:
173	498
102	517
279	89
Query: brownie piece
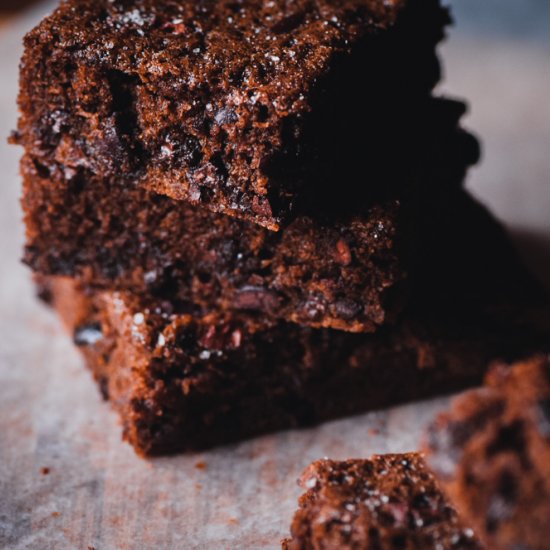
387	502
347	273
341	271
491	452
245	107
185	377
182	377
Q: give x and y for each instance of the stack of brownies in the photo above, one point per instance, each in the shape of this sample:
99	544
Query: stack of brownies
250	213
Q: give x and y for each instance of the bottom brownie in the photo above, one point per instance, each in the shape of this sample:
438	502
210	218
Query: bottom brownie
182	379
491	452
385	503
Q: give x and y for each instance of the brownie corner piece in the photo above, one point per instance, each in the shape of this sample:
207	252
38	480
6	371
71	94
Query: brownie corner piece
385	502
491	454
223	103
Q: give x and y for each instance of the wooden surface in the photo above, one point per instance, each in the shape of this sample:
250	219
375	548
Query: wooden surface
66	480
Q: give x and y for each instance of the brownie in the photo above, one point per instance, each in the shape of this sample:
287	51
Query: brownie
346	271
491	452
249	108
383	503
184	377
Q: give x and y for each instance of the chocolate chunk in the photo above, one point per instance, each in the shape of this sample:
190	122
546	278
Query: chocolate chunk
257	298
343	253
347	309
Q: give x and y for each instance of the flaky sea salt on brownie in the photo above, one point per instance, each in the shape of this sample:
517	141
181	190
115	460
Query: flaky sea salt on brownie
242	107
383	503
491	453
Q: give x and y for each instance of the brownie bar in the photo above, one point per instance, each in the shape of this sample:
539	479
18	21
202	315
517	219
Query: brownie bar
245	107
348	274
185	377
324	269
184	380
384	503
491	452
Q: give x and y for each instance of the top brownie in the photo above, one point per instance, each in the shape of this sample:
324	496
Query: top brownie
247	107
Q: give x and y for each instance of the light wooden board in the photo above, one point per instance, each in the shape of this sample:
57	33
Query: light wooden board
97	493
